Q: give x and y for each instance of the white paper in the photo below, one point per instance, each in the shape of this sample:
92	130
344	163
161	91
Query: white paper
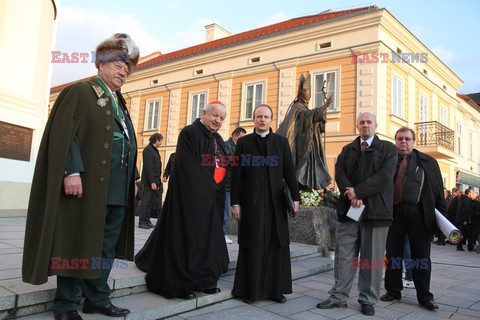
448	229
355	213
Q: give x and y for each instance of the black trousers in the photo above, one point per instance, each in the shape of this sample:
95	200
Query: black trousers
468	232
146	206
408	219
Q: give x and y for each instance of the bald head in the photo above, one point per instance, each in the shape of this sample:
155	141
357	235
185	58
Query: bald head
366	125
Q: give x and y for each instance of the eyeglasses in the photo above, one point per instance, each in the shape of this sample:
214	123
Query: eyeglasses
403	138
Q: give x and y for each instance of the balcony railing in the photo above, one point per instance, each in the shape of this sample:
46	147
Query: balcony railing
433	133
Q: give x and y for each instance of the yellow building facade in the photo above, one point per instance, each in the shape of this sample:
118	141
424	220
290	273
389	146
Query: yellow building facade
367	60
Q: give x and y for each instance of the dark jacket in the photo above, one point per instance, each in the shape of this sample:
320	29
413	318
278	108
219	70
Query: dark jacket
376	191
464	210
247	188
230	144
432	193
169	168
152	166
452	209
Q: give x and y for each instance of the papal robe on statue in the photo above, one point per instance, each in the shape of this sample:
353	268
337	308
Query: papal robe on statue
303	127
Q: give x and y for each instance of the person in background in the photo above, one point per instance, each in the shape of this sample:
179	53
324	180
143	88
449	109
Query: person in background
152	186
230	144
169	168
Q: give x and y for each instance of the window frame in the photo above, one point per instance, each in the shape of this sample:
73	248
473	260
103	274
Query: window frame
245	85
190	105
336	97
459	137
146	126
395	100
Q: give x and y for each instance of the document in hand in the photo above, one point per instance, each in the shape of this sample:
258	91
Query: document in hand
355	213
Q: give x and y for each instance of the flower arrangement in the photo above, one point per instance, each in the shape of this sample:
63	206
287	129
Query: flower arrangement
322	197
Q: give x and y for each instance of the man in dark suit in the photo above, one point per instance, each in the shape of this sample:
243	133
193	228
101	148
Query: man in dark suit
263	164
80	215
169	168
231	144
418	191
152	186
364	174
463	220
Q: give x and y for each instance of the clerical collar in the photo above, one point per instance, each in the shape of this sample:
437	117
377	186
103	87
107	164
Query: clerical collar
262	134
368	141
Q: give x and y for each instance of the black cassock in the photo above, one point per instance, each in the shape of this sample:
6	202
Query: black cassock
263	267
186	251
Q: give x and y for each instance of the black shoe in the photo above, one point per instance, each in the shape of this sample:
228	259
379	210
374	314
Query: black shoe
150	224
368	310
389	296
328	304
213	290
188	296
108	310
282	299
69	315
460	249
430	305
143	226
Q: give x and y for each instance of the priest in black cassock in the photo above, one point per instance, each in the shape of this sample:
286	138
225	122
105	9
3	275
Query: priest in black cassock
186	252
258	202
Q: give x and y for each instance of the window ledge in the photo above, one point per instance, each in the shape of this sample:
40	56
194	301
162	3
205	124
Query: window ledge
150	130
333	114
398	120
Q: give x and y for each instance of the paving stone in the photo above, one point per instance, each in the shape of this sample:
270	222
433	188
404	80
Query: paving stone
29	294
239	313
335	313
7	299
308	315
292	306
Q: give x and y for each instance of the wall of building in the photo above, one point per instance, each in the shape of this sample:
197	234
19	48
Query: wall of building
24	57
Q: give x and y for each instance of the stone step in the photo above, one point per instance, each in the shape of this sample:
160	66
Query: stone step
147	305
22	299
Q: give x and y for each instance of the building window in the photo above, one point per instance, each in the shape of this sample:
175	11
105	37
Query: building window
397	96
459	137
471	145
443	116
197	104
423	116
254	96
152	115
329	79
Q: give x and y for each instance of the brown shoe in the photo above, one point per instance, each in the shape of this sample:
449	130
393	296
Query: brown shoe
143	226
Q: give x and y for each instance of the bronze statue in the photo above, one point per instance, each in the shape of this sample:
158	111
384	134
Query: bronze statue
303	128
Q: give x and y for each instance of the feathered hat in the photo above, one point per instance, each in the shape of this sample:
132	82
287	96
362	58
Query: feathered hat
119	47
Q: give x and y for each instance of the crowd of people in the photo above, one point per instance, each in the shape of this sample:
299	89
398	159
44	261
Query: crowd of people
464	212
84	184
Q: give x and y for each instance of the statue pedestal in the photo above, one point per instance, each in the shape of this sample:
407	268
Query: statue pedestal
315	225
312	225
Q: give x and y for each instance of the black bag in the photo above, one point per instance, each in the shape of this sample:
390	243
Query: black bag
289	201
